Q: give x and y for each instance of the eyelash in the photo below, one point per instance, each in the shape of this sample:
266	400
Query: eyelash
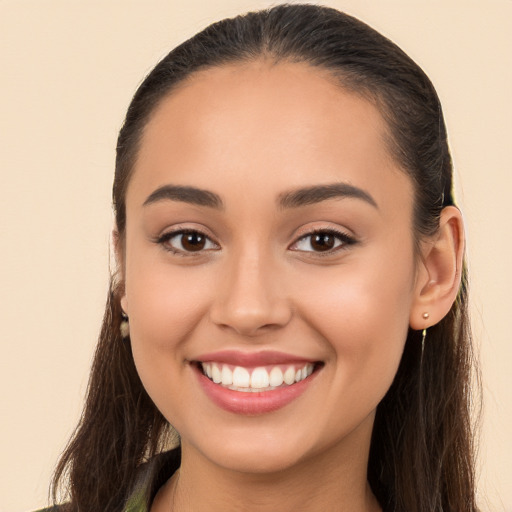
346	240
166	237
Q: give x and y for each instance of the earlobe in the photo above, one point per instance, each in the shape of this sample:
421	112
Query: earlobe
124	305
439	273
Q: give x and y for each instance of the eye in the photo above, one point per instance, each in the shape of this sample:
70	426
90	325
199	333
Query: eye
186	241
323	241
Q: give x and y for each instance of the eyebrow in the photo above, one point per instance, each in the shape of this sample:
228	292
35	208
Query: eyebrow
318	193
291	199
185	194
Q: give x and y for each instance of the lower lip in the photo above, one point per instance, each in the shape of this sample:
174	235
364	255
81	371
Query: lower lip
252	403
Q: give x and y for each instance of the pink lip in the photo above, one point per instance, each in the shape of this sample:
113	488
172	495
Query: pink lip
246	359
252	403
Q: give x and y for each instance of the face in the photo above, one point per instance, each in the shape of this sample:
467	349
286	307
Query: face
269	245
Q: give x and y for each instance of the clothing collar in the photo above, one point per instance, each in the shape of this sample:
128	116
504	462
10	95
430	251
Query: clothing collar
151	476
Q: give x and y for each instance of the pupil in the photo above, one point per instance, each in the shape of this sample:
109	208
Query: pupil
322	242
193	241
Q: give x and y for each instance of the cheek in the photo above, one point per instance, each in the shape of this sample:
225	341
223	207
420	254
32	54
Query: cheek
362	314
360	296
166	304
166	308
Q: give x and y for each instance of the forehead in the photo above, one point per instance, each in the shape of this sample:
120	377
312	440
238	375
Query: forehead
288	123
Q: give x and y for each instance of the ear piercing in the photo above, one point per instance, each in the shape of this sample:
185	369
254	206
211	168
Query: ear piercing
424	334
125	325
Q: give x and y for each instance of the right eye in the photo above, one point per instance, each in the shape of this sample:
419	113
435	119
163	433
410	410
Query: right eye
186	242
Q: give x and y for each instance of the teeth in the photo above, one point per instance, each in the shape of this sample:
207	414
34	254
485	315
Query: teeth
289	375
276	377
216	374
240	379
227	376
259	378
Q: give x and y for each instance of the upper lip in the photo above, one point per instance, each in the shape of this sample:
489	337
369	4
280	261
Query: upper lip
249	359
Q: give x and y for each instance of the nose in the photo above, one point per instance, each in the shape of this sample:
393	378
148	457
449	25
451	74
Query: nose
250	298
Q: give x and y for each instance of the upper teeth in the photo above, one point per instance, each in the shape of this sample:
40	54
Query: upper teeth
241	379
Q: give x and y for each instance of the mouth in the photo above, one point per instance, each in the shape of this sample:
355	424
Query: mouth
254	384
256	380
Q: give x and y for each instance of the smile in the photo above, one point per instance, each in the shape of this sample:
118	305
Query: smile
257	380
254	384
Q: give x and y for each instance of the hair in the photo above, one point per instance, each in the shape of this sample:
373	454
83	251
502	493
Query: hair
422	449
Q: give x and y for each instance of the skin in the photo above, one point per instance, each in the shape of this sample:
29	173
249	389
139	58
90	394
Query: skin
249	133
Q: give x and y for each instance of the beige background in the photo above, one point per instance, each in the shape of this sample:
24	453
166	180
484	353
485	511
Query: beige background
68	71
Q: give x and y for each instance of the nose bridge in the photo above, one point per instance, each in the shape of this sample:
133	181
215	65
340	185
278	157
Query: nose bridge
251	296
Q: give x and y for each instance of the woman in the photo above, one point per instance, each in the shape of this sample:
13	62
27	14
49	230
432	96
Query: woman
289	311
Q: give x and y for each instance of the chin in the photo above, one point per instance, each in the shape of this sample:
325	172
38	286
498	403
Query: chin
256	459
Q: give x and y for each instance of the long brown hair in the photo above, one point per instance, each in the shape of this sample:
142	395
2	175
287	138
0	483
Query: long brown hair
421	457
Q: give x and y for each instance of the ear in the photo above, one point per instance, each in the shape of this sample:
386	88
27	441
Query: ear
119	254
439	271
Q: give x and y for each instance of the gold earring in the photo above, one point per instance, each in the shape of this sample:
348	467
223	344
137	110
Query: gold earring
424	334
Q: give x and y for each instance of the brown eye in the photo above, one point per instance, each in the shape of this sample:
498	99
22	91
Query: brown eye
193	241
186	242
323	241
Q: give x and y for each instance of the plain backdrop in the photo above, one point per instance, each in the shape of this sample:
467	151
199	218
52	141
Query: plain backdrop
68	69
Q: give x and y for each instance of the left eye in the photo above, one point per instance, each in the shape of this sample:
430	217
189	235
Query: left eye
322	241
187	241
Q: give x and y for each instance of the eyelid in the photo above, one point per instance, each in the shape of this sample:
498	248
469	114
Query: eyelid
183	230
346	240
